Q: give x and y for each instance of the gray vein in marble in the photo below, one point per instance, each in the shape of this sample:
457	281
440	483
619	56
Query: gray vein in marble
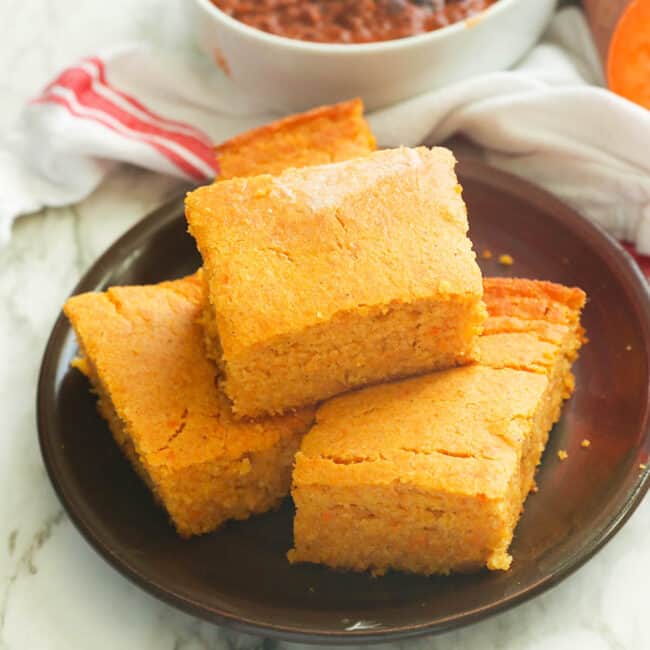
11	541
189	643
80	260
604	632
27	560
41	536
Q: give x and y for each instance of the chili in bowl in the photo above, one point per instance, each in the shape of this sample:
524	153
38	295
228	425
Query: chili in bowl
350	21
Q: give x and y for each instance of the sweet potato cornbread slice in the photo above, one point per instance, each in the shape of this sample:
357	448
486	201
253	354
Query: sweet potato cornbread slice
329	277
142	349
429	475
320	136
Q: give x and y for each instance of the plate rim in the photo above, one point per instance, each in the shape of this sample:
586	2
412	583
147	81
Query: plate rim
591	233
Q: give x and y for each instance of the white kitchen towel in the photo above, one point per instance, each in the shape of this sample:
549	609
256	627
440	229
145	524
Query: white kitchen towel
549	119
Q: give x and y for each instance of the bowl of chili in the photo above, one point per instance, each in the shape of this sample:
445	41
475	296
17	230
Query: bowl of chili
294	54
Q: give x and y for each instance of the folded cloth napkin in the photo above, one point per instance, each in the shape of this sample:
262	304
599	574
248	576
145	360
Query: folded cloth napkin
548	119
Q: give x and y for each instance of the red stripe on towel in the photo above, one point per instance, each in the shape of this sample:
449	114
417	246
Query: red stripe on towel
185	146
163	121
189	170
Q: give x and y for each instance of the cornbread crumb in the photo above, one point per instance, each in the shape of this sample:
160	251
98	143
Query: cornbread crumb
388	286
585	444
642	466
562	454
487	254
628	347
221	61
142	349
80	364
506	260
429	474
534	489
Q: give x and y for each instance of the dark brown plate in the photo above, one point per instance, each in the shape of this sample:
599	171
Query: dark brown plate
240	575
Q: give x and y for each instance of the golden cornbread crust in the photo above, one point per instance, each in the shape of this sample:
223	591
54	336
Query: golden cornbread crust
319	136
142	349
331	277
429	475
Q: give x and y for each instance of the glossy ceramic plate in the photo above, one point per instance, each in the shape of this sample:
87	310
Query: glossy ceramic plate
240	576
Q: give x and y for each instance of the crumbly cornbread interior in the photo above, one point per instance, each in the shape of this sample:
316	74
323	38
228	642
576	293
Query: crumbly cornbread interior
353	348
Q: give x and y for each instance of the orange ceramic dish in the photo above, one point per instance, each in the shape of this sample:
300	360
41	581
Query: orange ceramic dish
628	62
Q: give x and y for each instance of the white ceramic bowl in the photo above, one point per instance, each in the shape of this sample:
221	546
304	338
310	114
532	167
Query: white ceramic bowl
292	75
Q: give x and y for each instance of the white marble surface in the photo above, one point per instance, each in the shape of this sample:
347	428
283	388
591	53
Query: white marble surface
55	592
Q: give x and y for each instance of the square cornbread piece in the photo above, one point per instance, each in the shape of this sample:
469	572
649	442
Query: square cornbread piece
330	277
142	349
323	135
429	475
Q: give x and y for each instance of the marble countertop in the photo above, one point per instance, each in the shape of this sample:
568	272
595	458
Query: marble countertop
55	592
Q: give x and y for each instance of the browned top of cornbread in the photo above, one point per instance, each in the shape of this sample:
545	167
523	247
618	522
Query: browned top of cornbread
471	419
322	135
286	252
146	347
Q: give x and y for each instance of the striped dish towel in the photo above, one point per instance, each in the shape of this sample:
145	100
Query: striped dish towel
114	108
